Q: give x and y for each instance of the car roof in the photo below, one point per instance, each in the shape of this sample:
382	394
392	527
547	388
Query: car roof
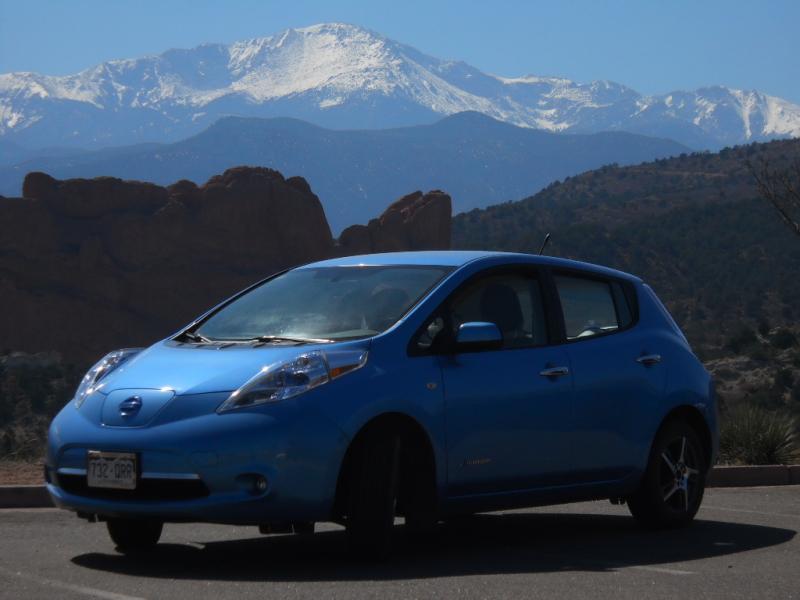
459	258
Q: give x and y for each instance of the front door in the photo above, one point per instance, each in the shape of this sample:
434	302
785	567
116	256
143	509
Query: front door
508	410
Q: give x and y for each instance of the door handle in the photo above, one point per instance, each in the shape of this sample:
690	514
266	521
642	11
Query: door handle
649	359
554	372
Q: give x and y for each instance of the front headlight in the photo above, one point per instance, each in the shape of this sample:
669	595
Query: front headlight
289	379
91	381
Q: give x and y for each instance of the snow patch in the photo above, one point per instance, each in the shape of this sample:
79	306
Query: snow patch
331	64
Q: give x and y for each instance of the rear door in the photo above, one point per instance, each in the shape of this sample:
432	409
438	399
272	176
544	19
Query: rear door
613	385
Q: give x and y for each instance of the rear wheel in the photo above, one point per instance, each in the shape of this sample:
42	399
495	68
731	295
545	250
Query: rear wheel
373	495
134	535
673	484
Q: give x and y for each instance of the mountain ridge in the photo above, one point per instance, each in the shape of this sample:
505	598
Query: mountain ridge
478	159
344	76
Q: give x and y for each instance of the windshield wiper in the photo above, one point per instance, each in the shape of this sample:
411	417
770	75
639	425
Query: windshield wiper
194	337
265	339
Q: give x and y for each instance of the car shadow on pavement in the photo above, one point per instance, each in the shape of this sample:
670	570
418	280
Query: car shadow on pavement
483	544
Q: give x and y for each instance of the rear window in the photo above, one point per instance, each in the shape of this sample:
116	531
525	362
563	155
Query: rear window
592	306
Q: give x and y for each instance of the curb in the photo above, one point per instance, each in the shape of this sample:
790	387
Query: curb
754	476
36	496
24	496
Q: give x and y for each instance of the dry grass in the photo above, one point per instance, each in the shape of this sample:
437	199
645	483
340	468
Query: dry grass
18	472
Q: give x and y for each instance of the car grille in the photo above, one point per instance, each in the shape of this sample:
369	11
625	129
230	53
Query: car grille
146	489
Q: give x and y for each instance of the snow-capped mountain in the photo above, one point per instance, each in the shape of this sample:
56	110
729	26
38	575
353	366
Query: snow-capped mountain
344	76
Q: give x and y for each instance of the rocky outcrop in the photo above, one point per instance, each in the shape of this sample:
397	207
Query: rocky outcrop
91	265
414	221
93	198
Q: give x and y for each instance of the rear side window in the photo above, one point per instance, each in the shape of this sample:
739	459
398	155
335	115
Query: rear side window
591	306
624	313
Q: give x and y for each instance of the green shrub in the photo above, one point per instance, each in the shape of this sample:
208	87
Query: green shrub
783	339
763	327
752	435
784	379
758	353
742	339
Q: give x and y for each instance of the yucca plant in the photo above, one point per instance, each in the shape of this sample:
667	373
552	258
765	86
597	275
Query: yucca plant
752	435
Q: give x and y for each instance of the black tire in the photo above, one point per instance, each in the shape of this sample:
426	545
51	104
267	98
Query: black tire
373	496
672	487
417	499
134	535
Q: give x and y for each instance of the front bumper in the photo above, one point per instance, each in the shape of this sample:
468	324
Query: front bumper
238	508
196	465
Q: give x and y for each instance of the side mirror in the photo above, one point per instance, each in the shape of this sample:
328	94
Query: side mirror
478	335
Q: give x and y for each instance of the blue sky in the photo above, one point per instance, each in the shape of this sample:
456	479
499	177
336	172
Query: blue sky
651	45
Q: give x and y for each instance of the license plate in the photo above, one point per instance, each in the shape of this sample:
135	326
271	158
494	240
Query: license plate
111	470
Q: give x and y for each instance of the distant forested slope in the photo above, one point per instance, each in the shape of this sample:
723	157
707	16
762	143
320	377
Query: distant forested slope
692	226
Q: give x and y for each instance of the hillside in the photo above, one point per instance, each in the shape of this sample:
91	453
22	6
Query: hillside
345	76
479	160
692	227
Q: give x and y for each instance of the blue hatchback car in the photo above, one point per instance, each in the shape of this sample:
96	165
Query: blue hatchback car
423	385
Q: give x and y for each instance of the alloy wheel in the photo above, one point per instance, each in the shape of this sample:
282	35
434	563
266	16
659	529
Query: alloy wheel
680	474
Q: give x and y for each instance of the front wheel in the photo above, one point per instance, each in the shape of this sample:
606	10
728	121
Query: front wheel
134	535
373	497
673	484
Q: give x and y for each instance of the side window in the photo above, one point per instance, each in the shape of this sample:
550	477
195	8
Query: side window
511	301
624	312
589	307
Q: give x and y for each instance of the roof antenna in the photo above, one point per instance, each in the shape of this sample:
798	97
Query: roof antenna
544	244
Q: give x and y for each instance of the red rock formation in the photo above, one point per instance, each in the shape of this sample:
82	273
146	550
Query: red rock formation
415	221
90	265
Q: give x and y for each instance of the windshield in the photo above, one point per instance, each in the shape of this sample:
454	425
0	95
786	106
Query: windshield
324	303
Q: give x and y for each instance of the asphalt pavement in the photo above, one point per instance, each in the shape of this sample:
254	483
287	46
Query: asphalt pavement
743	545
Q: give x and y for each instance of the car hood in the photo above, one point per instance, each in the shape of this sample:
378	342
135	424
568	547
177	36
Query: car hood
204	368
